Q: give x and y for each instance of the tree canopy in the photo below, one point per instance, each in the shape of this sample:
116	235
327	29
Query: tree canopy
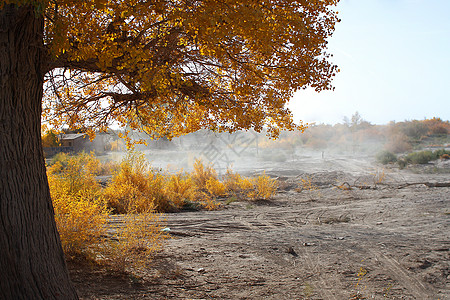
168	67
171	67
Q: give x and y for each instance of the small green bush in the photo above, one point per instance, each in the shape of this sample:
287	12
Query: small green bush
421	157
386	157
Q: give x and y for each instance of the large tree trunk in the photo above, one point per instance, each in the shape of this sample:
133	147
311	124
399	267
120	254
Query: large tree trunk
32	262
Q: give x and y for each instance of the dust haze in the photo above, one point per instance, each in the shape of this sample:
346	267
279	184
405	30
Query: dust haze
252	152
342	225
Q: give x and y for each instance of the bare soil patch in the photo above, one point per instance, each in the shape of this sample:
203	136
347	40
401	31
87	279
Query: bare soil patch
389	241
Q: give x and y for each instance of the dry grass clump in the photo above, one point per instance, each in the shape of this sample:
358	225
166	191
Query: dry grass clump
135	242
307	185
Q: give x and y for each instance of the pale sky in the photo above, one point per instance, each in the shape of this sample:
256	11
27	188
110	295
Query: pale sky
394	57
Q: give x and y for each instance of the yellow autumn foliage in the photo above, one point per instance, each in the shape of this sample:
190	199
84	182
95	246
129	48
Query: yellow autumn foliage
80	214
265	187
49	139
206	180
306	184
82	206
170	69
215	188
135	242
201	174
180	188
261	187
136	187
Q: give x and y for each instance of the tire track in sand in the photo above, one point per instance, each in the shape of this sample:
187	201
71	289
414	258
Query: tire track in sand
324	290
400	274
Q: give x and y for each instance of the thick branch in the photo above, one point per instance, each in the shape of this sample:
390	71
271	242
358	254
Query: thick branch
90	65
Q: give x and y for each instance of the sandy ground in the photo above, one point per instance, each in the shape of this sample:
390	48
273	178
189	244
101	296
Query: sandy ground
389	241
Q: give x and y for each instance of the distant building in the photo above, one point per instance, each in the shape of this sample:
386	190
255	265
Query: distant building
73	142
78	142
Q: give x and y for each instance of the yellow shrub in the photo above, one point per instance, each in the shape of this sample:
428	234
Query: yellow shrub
135	242
215	187
180	188
261	187
78	171
306	184
135	187
61	158
207	185
156	189
246	184
91	162
265	187
206	200
55	168
232	181
202	174
81	223
80	216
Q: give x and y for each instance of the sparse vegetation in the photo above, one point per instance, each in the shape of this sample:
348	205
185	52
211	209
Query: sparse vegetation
423	157
386	157
134	243
82	206
378	177
129	243
82	216
361	275
260	188
307	185
358	135
137	192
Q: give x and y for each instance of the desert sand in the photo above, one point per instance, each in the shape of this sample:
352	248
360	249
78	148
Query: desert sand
388	237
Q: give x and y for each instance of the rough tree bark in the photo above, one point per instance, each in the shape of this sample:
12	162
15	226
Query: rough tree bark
32	262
